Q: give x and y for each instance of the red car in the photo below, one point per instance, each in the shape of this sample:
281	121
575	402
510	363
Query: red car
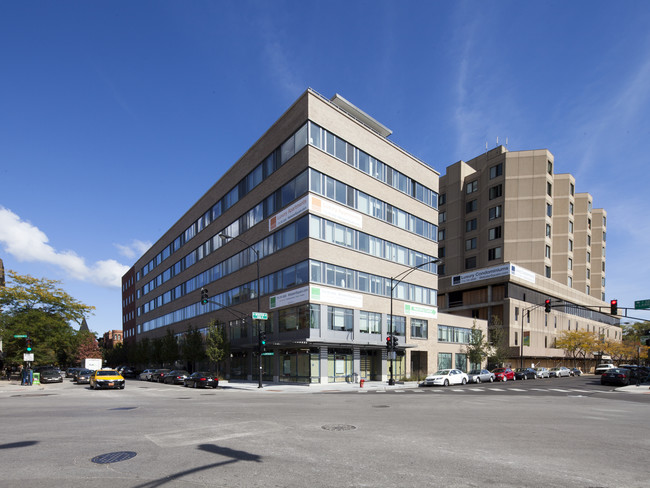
503	374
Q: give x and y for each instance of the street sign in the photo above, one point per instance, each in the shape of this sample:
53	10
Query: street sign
20	336
638	305
260	316
28	356
267	354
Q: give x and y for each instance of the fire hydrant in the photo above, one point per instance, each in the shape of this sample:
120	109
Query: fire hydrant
361	382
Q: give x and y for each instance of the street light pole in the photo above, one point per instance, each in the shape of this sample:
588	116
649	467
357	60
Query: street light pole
401	277
226	237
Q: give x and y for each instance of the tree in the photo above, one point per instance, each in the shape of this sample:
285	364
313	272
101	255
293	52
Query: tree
577	344
217	347
88	348
40	309
498	340
169	348
478	348
192	349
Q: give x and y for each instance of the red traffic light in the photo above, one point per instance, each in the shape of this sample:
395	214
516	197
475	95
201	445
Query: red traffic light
613	305
547	305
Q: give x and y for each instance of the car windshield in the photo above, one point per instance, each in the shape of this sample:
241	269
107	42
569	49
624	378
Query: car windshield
202	373
442	372
555	369
498	370
107	373
475	371
85	371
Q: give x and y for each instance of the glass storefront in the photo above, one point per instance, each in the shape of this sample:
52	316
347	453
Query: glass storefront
339	365
299	366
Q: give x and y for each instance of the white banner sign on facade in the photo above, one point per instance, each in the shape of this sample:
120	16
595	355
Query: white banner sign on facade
289	213
335	211
494	272
289	298
420	311
338	297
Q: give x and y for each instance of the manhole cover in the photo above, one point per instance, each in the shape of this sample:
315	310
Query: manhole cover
113	457
338	427
123	408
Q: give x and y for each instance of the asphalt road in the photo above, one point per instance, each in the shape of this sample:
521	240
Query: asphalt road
517	434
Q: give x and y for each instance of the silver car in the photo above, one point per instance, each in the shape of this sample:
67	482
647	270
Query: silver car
480	376
557	372
542	372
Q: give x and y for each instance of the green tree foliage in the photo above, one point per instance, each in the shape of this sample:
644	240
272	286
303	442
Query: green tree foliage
169	348
192	349
478	348
217	347
577	344
498	339
39	309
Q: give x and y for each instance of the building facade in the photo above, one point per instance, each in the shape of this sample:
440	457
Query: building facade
327	227
514	234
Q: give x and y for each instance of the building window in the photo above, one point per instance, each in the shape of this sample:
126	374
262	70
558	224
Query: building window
441	270
457	335
495	192
340	318
547	271
588	273
572	189
494	253
571	208
471	206
400	326
516	314
442	217
570	264
494	233
516	336
370	322
604	236
604	221
588	257
441	234
441	252
444	360
547	252
549	167
494	212
588	290
470	263
419	328
442	199
471	187
546	342
549	188
588	240
571	226
549	210
496	170
570	245
471	225
589	224
470	244
548	230
570	282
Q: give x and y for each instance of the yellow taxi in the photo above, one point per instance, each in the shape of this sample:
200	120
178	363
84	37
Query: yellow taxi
106	378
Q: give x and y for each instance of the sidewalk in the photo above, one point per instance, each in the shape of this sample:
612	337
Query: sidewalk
313	387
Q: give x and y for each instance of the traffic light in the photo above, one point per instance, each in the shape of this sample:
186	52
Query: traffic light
262	340
395	341
547	305
613	305
29	345
389	343
204	296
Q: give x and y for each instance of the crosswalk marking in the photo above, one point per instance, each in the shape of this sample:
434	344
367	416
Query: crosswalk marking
517	389
558	389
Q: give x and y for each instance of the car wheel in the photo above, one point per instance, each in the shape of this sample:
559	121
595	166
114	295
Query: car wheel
505	378
478	380
464	381
491	379
446	383
122	387
194	385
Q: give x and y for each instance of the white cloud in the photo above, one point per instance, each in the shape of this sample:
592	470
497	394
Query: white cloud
134	250
28	243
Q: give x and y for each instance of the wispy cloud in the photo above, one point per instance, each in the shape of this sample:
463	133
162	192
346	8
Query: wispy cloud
27	243
133	250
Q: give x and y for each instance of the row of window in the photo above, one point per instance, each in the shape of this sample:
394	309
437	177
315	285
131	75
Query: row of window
349	196
346	152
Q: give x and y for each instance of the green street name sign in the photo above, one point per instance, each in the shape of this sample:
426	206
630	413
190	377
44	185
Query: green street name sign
20	336
260	316
638	305
267	354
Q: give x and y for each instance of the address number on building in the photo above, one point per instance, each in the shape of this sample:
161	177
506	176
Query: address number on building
260	316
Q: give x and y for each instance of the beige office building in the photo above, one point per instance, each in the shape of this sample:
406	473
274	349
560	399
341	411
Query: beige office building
512	234
324	225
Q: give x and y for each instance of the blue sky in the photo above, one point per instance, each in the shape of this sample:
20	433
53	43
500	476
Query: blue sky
115	117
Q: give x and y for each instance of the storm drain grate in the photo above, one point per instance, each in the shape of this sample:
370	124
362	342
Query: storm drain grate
338	427
113	457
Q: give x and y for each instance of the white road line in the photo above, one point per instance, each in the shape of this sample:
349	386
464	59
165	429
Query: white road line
517	389
457	390
558	389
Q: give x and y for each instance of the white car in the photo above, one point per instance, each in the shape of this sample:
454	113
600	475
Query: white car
446	377
146	374
557	372
601	368
542	372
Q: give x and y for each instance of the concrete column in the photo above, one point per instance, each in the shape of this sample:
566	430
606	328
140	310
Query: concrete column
323	365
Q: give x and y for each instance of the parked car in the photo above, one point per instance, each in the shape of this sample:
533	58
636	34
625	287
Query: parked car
146	374
576	372
601	368
615	376
559	371
174	377
50	375
480	376
106	378
128	372
542	372
446	377
503	374
82	376
158	374
69	373
201	379
525	374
